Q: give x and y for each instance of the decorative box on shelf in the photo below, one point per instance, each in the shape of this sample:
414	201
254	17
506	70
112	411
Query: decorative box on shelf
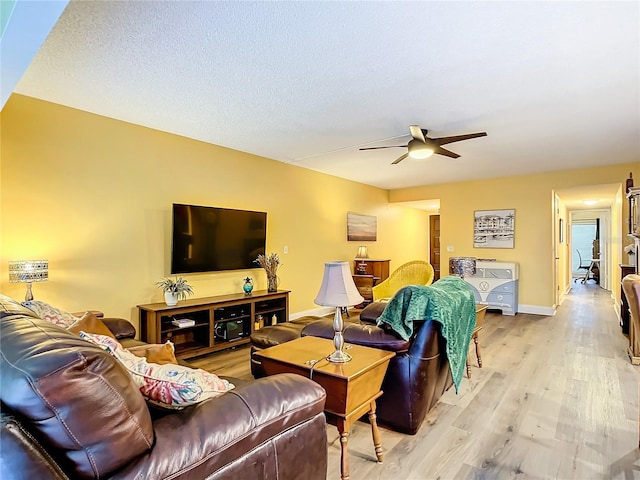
183	322
495	284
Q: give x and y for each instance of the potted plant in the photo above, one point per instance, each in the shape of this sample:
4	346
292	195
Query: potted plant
174	290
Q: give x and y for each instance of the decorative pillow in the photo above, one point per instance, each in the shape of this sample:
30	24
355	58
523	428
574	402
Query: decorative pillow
170	385
91	324
51	314
160	354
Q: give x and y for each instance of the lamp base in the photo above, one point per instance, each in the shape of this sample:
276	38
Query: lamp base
29	295
339	357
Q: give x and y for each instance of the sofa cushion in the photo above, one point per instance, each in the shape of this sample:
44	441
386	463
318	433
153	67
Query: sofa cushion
358	334
77	399
174	386
280	333
51	314
91	324
159	354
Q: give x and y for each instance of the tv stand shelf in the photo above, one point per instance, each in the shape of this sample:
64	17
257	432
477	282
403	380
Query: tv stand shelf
223	321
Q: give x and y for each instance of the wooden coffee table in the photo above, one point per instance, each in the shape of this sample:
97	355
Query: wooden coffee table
352	388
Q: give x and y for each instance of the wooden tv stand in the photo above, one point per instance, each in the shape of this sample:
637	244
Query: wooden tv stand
245	313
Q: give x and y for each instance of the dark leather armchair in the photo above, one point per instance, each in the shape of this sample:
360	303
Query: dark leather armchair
70	410
416	377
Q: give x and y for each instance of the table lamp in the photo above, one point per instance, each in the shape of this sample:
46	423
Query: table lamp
338	290
28	271
362	255
462	266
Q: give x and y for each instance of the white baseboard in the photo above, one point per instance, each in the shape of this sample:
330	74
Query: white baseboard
314	312
537	310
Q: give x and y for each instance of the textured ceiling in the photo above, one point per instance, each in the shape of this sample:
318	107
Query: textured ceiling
556	85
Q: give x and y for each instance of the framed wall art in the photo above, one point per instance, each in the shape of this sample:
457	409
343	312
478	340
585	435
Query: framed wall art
494	228
361	228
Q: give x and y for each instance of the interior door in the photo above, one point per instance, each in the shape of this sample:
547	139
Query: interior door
434	244
556	249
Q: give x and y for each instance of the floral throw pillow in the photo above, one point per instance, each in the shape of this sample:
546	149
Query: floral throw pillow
173	386
51	314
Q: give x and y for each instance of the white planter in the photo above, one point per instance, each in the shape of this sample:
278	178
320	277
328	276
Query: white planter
171	298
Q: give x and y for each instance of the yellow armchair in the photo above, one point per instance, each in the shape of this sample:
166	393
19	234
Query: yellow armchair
417	272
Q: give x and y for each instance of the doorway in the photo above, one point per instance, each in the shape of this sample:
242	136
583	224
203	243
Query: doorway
434	245
591	246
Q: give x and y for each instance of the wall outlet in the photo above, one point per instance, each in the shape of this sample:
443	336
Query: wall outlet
286	249
450	248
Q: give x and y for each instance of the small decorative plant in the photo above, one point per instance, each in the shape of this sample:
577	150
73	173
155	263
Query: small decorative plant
178	287
270	262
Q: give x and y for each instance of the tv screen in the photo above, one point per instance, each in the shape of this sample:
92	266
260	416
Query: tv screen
209	239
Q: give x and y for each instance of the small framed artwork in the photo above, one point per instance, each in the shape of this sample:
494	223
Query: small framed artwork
361	228
494	228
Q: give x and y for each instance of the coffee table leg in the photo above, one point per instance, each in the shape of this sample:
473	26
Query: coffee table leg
343	429
375	432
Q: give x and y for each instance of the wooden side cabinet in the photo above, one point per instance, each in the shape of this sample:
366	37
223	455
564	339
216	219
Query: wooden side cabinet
219	322
375	268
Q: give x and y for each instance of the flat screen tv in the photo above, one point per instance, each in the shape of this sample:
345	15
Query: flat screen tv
210	239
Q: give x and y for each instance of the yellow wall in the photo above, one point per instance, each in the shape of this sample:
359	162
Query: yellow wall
93	195
532	198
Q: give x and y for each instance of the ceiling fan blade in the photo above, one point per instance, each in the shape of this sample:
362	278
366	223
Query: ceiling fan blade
458	138
400	159
388	146
416	132
443	151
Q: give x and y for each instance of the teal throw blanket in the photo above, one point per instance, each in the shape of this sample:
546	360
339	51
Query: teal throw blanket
450	302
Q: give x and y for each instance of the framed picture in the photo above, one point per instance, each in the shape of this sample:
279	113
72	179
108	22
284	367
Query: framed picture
494	228
361	228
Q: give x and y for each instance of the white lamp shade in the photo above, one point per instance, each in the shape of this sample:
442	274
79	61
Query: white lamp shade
338	289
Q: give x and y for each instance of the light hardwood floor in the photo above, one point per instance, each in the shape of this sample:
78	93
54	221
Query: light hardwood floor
556	398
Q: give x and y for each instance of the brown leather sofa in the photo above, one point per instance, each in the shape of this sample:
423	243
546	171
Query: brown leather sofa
416	377
70	410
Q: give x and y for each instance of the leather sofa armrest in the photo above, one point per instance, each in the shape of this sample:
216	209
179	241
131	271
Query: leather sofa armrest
22	456
120	327
358	334
215	433
371	312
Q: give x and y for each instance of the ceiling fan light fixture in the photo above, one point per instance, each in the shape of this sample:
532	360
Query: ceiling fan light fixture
421	153
419	150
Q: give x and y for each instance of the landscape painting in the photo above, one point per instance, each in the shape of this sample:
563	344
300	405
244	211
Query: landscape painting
494	228
361	228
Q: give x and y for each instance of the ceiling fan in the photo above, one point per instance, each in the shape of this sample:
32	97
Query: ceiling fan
422	146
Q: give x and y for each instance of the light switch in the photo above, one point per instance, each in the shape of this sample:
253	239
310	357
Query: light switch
286	249
450	248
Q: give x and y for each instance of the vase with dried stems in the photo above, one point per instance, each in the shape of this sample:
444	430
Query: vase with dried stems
270	262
